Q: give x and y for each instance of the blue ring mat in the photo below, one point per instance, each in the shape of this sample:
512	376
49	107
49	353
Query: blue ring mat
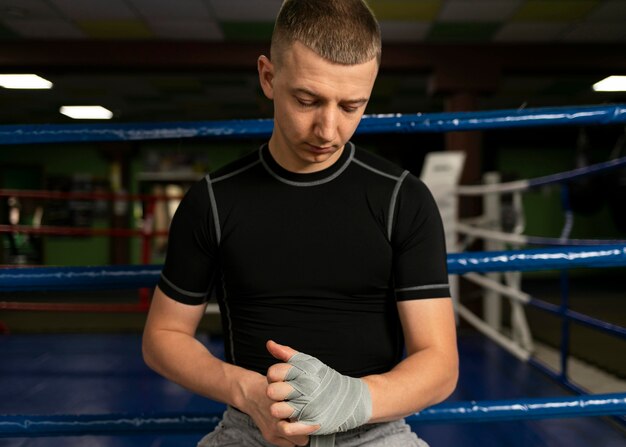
104	373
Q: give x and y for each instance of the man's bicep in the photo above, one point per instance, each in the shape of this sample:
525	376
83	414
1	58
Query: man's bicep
168	314
428	323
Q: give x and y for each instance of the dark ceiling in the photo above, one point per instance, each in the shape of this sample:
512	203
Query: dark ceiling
157	60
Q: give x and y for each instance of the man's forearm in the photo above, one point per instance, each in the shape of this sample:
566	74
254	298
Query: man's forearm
422	379
184	360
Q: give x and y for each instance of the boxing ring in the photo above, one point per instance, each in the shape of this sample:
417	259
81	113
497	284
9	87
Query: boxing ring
94	389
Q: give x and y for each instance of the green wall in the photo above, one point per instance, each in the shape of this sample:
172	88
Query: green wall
543	206
18	164
59	160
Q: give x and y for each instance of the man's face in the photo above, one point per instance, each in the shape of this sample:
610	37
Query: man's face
317	106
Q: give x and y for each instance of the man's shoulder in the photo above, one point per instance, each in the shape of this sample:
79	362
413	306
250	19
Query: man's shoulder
231	169
377	164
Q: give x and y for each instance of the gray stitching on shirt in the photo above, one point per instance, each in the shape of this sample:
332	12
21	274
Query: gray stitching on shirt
216	217
392	203
427	287
317	182
238	171
184	292
218	232
231	333
219	237
374	170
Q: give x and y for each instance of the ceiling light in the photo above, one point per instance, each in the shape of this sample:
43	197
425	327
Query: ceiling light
611	84
86	112
24	81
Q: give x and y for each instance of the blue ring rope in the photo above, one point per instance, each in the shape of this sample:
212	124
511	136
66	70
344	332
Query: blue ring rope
79	278
519	409
538	259
524	185
262	128
135	276
577	173
450	412
105	424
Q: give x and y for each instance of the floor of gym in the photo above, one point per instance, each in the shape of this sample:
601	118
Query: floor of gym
104	373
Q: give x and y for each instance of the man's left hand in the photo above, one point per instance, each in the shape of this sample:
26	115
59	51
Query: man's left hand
313	398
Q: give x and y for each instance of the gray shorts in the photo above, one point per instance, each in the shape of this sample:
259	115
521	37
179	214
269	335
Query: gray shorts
237	429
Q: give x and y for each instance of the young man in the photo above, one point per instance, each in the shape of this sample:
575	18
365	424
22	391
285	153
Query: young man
327	261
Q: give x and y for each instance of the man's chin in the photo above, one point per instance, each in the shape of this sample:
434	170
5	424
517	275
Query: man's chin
319	161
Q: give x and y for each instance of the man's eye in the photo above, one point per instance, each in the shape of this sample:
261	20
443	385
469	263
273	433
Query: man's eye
350	109
304	103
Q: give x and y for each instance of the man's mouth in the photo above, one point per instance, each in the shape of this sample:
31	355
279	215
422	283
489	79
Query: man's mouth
320	149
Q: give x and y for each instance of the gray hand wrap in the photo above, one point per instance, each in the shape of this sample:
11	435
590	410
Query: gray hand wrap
324	397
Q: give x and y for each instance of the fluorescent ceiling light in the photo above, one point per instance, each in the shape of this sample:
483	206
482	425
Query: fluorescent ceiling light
86	112
24	81
611	84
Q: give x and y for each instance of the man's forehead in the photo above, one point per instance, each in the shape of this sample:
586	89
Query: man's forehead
305	70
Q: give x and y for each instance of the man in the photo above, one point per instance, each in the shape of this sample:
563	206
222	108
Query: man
327	261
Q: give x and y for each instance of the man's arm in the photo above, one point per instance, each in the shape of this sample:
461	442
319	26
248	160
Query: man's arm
171	349
429	373
425	377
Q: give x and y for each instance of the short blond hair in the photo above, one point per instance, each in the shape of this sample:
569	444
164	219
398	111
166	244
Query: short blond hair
341	31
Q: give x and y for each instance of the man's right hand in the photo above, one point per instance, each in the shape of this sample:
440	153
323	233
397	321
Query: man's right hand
257	406
171	349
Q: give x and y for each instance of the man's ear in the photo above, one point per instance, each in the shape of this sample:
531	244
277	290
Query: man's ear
266	76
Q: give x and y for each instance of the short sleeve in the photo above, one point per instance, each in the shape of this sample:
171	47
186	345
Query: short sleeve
191	265
418	241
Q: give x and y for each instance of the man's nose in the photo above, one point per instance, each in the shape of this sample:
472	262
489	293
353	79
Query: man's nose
326	124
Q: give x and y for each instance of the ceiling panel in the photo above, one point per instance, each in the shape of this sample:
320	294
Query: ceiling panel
396	31
478	11
245	10
609	11
25	9
406	10
115	29
554	10
530	32
596	32
7	33
248	31
187	29
180	9
463	32
94	9
44	28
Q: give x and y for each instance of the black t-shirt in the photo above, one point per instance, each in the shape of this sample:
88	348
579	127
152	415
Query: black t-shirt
314	261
